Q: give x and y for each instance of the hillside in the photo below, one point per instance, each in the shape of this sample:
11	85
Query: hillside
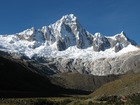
17	80
126	85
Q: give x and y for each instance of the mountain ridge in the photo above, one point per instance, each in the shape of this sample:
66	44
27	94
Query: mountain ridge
68	32
68	47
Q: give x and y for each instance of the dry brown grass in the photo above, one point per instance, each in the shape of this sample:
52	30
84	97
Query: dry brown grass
126	85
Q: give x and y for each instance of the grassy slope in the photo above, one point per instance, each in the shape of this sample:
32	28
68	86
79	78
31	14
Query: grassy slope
126	85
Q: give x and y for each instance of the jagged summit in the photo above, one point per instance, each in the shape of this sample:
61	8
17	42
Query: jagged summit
70	17
98	35
66	32
123	33
27	34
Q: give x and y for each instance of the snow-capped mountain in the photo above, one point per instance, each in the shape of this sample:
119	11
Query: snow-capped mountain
66	39
61	36
64	33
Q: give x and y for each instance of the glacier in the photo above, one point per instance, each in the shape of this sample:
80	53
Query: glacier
67	40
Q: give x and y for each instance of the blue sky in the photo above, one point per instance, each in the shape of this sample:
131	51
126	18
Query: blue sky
108	17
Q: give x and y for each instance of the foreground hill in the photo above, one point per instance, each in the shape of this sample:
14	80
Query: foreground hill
126	85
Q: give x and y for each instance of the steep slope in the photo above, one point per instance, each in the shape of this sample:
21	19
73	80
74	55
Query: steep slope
117	42
64	33
18	80
67	32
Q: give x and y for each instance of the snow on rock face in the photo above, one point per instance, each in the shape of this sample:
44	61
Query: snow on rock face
100	43
65	38
119	41
27	34
68	32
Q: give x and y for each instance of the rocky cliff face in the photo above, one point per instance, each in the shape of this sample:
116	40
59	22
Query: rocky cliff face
67	32
64	33
118	42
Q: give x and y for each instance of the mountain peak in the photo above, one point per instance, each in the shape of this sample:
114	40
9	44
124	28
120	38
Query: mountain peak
67	32
98	35
70	17
69	20
123	34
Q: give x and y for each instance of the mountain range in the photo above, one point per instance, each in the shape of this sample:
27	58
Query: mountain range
65	33
64	51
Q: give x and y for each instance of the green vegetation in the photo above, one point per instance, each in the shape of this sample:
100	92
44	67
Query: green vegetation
121	100
77	100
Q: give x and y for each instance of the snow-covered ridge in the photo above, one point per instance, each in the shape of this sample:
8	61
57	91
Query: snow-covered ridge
66	39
